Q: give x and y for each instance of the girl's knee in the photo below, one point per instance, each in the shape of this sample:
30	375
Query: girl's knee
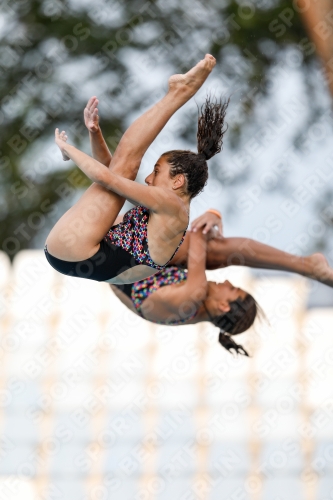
126	167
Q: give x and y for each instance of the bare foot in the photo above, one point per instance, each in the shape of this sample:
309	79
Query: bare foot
321	271
193	79
91	118
61	139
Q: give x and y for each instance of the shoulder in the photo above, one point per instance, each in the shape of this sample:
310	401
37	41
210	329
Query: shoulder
170	203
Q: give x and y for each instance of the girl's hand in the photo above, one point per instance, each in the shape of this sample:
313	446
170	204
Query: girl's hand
91	118
208	222
60	140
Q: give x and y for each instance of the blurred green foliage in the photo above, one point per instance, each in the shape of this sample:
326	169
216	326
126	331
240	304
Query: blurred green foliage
43	41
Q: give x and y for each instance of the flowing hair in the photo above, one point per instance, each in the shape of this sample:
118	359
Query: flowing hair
211	129
239	319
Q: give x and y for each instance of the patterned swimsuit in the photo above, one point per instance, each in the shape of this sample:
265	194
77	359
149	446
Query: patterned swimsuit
123	247
140	290
131	235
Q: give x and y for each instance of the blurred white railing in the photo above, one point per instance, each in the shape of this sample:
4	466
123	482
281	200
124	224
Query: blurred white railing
97	403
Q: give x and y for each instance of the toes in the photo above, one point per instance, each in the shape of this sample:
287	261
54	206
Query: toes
210	59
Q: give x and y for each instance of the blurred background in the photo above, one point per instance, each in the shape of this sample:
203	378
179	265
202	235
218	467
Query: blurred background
273	179
273	182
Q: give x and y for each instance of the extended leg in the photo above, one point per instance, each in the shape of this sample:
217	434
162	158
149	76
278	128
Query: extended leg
77	234
246	252
223	252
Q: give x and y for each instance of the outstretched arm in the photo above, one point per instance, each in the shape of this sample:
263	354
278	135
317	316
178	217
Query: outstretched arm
155	198
99	148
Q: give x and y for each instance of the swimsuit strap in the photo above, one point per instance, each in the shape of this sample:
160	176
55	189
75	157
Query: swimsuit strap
149	260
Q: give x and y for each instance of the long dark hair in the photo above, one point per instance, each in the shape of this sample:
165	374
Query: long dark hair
239	319
210	134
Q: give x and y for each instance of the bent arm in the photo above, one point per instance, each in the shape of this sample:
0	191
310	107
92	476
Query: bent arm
195	289
157	199
196	276
99	149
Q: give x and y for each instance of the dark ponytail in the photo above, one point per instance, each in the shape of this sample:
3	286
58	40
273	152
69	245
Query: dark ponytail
227	342
209	143
210	127
239	319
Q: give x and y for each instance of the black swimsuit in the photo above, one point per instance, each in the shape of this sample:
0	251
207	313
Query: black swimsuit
123	247
108	262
